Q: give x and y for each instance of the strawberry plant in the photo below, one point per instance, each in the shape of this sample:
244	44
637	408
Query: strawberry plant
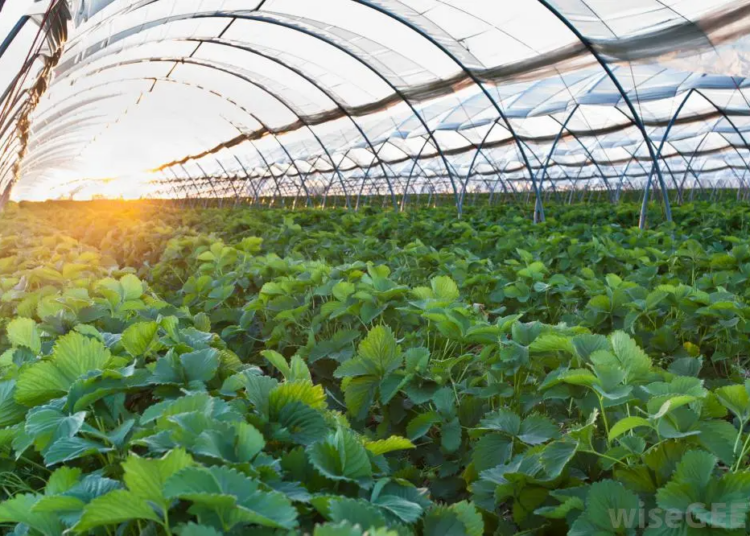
180	372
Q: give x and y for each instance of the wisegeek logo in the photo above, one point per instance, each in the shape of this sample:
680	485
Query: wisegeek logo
695	516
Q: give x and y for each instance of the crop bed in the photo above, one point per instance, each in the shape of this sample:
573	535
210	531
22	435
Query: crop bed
231	371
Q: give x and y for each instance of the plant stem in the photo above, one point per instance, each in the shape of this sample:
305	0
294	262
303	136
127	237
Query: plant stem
604	417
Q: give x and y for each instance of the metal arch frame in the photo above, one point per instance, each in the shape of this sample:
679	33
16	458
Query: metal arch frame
476	156
208	179
702	188
231	182
10	121
282	101
153	79
237	196
189	183
248	178
537	216
480	150
375	163
250	181
250	114
554	144
226	100
633	157
665	136
17	28
414	165
419	157
590	156
327	188
727	118
740	179
347	52
498	173
363	180
689	170
655	163
299	73
730	145
631	123
222	190
564	127
317	86
636	117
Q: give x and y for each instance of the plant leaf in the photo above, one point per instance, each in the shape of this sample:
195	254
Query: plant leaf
341	456
114	508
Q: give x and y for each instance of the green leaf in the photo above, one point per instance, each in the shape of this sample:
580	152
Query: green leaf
729	495
62	480
297	391
556	456
359	395
625	425
503	421
248	442
444	288
19	510
23	332
736	399
405	510
537	429
114	508
421	424
72	356
570	503
384	446
71	448
450	435
230	495
718	437
278	361
299	370
146	477
191	529
342	290
303	424
11	412
356	512
200	365
379	352
587	344
132	288
629	355
610	509
138	338
490	451
470	518
443	521
583	377
344	528
341	456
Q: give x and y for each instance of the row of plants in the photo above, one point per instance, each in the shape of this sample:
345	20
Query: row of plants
228	371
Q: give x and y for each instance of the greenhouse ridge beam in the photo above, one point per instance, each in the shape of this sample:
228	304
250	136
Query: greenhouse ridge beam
538	214
628	102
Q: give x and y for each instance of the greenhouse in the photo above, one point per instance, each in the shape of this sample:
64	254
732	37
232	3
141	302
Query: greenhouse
303	101
374	267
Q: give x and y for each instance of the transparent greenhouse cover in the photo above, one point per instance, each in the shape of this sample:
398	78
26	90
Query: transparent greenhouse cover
307	98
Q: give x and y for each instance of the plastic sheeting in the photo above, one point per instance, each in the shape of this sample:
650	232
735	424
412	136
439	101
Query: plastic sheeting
259	99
